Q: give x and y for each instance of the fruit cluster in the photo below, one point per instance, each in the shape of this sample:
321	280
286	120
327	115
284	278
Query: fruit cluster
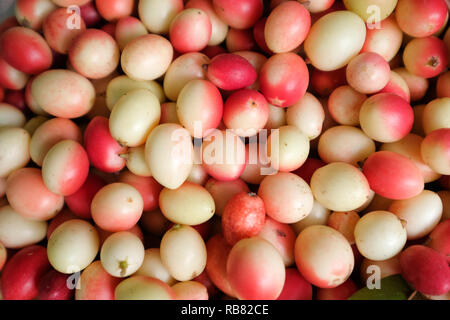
205	149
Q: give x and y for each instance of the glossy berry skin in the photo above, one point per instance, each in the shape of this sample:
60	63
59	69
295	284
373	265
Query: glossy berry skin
56	33
231	72
426	57
386	117
287	27
426	270
295	287
440	239
80	201
419	18
243	217
53	286
239	14
255	270
393	176
21	274
90	15
65	167
103	151
245	110
284	79
25	50
27	183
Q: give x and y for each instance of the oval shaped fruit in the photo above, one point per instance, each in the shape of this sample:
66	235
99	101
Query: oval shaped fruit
183	252
392	175
239	14
169	154
94	54
255	270
334	39
190	30
219	28
146	57
65	167
287	197
345	144
53	286
284	79
231	72
199	107
122	254
134	116
426	57
21	275
72	246
25	50
41	204
17	231
287	27
56	33
419	19
386	117
323	256
380	235
368	72
223	155
157	15
117	207
340	186
103	150
243	217
63	93
190	204
14	143
425	269
287	148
